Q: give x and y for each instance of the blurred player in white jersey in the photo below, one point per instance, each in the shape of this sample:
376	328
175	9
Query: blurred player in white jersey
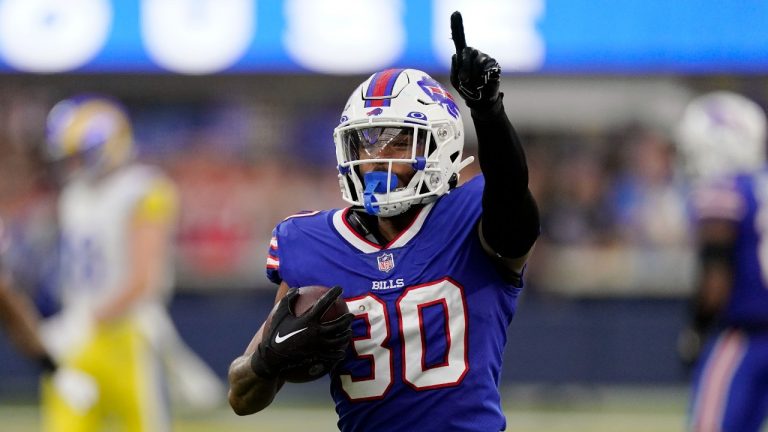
117	218
722	139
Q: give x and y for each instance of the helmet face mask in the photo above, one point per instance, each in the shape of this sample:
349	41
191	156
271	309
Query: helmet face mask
395	150
398	144
85	165
383	143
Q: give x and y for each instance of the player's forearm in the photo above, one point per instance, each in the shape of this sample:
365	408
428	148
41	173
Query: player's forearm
20	318
510	215
714	289
134	291
249	393
148	257
501	154
716	252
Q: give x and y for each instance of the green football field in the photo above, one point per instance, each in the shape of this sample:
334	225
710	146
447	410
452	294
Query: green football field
306	418
529	409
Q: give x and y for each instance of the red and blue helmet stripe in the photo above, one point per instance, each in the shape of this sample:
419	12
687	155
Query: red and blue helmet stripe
379	92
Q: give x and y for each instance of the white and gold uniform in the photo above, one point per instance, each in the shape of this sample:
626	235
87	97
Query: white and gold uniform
97	219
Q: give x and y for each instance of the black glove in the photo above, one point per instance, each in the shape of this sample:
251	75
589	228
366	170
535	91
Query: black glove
690	340
293	342
474	74
689	344
47	364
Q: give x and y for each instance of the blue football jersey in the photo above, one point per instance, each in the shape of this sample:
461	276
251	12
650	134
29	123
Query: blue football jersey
431	315
742	199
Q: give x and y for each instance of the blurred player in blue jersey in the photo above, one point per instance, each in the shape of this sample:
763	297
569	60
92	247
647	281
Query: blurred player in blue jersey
722	140
431	271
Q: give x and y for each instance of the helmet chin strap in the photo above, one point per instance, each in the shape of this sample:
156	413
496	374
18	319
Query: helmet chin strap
465	163
376	182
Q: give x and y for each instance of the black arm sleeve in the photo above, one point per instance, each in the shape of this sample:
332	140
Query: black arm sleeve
510	218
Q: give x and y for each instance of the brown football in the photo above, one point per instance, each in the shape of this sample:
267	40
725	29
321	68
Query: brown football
307	297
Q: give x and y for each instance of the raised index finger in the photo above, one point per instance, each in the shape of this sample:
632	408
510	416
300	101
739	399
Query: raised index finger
457	33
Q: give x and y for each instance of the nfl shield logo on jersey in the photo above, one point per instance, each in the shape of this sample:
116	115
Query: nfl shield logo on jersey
386	262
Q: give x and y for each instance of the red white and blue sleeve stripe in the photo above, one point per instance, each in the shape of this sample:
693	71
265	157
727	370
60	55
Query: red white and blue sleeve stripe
719	201
273	260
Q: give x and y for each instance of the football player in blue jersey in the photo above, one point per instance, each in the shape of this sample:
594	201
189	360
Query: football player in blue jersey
722	139
431	271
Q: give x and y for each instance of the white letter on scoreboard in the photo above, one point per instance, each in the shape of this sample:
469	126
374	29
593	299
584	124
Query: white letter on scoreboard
343	36
508	34
53	35
197	36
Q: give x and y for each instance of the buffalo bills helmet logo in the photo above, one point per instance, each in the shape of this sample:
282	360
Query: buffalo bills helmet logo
374	112
438	94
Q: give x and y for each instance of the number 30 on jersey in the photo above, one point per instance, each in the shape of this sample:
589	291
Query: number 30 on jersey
374	347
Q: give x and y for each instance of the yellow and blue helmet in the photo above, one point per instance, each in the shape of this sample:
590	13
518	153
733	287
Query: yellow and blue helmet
93	127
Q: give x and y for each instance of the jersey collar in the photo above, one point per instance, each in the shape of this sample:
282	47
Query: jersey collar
354	238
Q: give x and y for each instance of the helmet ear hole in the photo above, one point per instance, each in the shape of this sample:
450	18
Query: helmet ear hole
454	156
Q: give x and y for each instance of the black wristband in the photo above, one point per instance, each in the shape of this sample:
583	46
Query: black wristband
701	318
720	253
259	367
490	111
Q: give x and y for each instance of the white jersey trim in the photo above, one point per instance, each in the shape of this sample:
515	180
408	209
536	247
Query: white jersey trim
350	235
363	245
414	229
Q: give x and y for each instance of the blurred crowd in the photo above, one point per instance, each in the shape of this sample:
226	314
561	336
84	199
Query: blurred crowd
612	201
614	216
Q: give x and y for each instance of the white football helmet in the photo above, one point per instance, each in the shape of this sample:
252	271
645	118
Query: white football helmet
399	116
722	133
94	128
